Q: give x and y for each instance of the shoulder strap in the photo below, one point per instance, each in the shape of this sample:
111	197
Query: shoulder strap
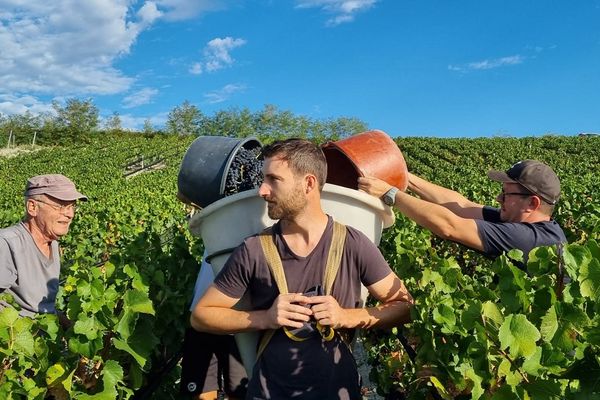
334	257
273	259
336	249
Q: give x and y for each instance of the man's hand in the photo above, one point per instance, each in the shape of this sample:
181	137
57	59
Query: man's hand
327	311
373	186
288	310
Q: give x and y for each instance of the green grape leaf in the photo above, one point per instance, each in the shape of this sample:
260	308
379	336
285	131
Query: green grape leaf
471	315
505	370
138	301
8	316
140	344
519	335
532	365
575	256
544	389
126	324
88	326
491	312
23	342
589	279
54	373
549	324
444	315
112	374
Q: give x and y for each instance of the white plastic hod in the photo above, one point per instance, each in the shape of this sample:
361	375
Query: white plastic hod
224	225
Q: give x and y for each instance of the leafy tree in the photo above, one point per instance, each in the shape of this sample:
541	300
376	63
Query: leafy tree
22	126
113	123
232	123
271	123
185	119
148	129
344	127
75	119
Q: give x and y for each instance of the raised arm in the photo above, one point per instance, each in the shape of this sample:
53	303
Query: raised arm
448	198
440	220
430	192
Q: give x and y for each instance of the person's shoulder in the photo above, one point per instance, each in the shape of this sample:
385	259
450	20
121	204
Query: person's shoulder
355	235
552	227
490	214
11	232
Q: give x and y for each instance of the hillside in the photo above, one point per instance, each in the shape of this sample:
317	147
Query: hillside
130	265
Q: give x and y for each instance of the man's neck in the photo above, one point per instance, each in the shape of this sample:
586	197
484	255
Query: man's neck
536	217
43	242
303	233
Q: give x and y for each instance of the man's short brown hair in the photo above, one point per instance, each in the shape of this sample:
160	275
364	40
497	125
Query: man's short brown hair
303	157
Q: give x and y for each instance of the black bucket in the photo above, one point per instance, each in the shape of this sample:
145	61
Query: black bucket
203	173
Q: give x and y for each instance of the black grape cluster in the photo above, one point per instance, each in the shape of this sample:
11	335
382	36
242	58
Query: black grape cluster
244	172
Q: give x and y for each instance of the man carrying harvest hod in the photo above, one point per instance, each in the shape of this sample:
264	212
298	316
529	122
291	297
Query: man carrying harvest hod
303	276
530	191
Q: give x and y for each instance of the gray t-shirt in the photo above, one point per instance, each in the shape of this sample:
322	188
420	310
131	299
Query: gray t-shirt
315	368
27	274
499	237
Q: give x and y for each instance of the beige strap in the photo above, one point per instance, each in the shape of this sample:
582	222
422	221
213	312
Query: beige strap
269	249
334	257
273	259
267	243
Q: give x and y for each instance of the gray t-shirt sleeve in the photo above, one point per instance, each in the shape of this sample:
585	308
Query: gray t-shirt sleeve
8	273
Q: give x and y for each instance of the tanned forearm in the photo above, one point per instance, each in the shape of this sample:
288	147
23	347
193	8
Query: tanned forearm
385	315
433	193
434	217
220	320
447	198
440	220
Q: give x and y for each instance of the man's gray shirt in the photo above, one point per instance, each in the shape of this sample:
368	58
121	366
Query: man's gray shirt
27	274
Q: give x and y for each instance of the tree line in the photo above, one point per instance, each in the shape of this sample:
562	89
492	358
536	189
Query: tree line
76	119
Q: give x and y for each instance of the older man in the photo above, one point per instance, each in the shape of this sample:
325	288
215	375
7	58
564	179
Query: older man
299	361
29	252
530	191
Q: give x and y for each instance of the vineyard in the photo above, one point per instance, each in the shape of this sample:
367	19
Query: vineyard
480	329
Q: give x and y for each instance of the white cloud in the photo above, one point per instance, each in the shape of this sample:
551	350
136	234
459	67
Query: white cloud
149	13
196	69
488	64
217	55
141	97
50	47
133	123
69	47
10	104
224	94
343	10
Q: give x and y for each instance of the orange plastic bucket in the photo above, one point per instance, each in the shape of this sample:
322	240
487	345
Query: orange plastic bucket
371	153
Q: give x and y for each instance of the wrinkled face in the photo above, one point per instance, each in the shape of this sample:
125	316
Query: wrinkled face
282	190
51	215
514	201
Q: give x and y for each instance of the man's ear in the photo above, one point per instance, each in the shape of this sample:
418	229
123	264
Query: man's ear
534	203
32	207
310	183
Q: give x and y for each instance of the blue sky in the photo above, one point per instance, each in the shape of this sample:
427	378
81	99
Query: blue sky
411	68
